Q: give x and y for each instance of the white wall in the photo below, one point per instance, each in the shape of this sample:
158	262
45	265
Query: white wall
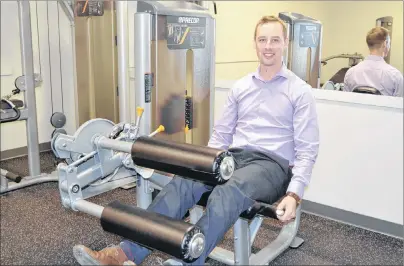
360	162
53	59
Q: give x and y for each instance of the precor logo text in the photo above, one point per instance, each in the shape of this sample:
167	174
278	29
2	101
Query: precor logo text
188	20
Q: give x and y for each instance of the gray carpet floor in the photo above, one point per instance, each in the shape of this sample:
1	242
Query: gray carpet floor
37	230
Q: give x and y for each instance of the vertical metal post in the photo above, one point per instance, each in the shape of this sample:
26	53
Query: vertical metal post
286	52
3	183
386	22
143	193
143	93
212	77
27	61
123	65
142	42
242	248
320	51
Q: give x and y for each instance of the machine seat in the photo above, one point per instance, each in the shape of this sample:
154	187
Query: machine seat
17	103
367	90
259	208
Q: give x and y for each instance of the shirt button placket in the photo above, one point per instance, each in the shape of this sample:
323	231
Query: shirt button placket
261	103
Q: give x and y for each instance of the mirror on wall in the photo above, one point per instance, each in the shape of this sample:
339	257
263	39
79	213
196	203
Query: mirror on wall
369	71
328	38
328	56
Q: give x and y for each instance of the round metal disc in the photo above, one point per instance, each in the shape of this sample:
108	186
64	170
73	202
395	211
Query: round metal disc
57	131
58	119
197	245
20	83
84	135
227	167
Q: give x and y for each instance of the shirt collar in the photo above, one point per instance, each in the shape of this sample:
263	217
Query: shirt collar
374	58
282	73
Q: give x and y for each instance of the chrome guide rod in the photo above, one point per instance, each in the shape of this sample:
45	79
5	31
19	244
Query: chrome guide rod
123	64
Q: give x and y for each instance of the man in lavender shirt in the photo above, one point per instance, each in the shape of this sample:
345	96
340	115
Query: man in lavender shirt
374	72
270	123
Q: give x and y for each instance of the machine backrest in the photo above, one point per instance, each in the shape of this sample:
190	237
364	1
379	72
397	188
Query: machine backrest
368	90
329	85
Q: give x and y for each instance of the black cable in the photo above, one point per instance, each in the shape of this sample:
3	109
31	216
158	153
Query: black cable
60	61
49	54
39	49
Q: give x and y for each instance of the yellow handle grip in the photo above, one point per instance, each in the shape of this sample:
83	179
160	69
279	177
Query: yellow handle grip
160	128
139	111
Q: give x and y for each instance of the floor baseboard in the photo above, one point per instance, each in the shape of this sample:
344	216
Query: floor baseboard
354	219
22	151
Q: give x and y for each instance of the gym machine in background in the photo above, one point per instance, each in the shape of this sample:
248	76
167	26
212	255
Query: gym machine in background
174	69
336	82
386	22
303	55
17	110
175	66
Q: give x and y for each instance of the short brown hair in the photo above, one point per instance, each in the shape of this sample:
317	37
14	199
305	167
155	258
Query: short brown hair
267	19
376	37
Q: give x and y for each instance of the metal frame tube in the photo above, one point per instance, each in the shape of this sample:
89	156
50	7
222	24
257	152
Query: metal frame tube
320	51
280	244
143	26
27	61
88	207
116	145
212	77
83	159
123	65
3	183
242	249
143	193
142	42
254	227
222	255
26	182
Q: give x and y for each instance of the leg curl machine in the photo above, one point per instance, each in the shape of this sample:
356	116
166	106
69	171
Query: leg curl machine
102	156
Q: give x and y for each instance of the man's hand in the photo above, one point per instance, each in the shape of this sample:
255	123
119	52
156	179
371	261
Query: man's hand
288	205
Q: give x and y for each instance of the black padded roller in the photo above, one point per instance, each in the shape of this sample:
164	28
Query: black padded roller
151	229
13	177
187	160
